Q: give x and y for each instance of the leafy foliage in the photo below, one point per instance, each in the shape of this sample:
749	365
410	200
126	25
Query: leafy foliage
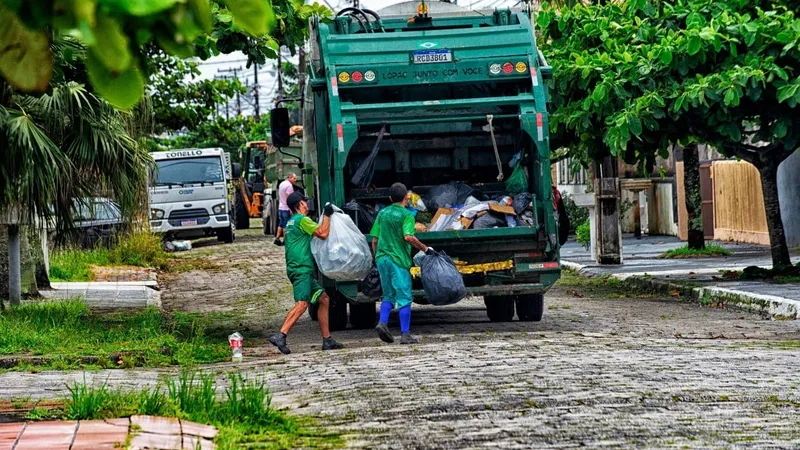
576	214
231	134
636	76
178	100
114	32
68	144
583	234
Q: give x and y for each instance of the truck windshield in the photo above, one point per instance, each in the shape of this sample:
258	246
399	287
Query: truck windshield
205	169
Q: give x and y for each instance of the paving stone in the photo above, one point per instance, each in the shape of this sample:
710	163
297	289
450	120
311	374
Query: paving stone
99	434
156	425
196	429
149	441
51	435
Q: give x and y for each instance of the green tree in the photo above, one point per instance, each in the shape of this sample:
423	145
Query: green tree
178	100
634	77
66	144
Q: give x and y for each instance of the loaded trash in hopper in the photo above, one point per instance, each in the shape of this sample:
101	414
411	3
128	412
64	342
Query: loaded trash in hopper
464	210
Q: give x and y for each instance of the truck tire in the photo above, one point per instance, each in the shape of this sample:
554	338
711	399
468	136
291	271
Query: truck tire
227	235
242	216
337	313
499	308
275	218
530	308
363	316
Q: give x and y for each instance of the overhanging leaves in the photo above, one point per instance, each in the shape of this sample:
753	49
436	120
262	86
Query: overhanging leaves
25	59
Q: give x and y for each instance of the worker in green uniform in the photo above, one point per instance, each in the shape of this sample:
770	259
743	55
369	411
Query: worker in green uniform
392	239
300	229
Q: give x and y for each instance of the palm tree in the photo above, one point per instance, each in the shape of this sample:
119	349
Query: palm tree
65	144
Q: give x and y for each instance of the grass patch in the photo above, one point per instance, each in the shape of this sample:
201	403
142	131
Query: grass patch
710	250
141	249
604	286
67	335
243	415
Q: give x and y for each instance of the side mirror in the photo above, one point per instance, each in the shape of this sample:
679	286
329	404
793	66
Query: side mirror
237	170
279	124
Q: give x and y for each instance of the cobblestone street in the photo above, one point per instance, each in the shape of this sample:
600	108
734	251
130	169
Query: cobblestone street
606	368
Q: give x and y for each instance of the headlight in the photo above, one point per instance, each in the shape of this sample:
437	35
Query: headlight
156	214
219	209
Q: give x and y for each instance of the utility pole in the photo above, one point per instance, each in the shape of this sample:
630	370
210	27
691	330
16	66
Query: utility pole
280	77
235	71
255	92
301	78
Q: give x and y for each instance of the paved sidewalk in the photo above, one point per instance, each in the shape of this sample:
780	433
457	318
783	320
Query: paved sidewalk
108	294
150	433
703	276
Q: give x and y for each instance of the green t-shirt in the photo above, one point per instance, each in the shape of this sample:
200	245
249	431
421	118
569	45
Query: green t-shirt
299	230
391	227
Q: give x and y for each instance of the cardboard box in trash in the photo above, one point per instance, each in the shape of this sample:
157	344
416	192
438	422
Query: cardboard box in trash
465	222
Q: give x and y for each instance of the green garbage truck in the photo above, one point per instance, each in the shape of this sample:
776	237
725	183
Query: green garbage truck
439	98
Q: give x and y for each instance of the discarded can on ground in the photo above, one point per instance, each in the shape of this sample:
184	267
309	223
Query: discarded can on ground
236	347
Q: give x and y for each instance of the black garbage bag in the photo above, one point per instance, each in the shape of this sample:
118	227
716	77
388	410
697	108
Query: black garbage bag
363	176
370	286
454	193
563	221
441	281
489	220
366	215
521	202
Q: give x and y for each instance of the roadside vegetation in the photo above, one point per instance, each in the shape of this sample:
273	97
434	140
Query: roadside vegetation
710	250
140	249
67	335
244	415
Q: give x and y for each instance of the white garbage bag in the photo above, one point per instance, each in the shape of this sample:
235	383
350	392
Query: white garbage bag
345	255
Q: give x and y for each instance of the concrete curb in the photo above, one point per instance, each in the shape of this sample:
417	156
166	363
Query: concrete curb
769	306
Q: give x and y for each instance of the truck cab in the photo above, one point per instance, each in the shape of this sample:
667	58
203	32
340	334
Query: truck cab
190	194
434	97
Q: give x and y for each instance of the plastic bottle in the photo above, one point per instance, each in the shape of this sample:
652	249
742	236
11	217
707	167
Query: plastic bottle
236	346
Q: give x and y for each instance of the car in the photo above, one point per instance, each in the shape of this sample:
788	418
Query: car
97	220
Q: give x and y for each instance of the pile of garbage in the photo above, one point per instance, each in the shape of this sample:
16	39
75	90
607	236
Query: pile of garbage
458	206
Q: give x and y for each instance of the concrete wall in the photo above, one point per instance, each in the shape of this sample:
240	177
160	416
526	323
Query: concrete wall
661	216
789	195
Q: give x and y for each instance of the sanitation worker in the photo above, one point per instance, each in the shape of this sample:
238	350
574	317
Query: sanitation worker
392	239
300	229
285	189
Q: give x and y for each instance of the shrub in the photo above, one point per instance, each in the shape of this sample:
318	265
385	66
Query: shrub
583	234
577	214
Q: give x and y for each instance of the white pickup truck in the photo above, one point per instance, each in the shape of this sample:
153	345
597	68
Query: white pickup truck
190	194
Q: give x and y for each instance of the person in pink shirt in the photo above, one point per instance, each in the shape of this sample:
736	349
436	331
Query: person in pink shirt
284	189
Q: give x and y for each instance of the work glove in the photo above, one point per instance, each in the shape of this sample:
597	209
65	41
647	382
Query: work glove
328	209
430	251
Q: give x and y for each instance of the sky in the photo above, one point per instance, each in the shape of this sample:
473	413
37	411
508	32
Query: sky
267	80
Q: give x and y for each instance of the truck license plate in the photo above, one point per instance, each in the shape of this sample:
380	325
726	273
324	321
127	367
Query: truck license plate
189	223
432	56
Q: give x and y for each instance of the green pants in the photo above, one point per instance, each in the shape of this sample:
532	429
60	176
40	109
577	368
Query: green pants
305	287
395	282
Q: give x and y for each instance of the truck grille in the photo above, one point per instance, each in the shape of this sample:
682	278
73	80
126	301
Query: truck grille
188	213
179	222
